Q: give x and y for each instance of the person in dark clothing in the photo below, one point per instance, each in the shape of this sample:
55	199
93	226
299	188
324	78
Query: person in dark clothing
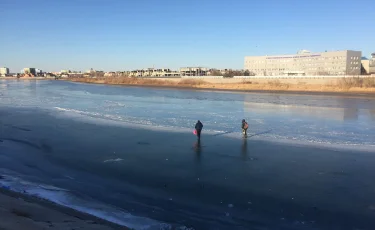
244	126
198	128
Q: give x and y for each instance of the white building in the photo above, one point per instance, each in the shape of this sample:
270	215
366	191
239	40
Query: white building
152	72
365	65
344	62
194	71
31	71
4	71
372	64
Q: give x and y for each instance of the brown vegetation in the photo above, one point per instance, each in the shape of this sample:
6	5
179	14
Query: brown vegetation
356	82
354	85
141	81
278	84
191	82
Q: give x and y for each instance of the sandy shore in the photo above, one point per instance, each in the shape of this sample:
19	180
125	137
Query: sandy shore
313	86
19	211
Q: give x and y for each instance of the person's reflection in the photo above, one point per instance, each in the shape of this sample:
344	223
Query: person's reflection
198	150
244	149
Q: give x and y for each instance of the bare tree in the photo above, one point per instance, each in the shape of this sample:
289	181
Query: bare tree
215	72
232	73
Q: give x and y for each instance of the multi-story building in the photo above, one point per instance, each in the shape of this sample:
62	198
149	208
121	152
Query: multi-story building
372	64
345	62
31	71
38	71
194	71
365	65
151	72
4	71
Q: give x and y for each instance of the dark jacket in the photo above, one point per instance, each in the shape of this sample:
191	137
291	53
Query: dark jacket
199	126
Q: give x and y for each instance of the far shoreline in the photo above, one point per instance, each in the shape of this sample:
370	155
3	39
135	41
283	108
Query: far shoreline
27	78
362	93
335	91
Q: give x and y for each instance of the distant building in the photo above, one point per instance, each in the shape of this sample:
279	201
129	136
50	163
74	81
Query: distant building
372	64
92	71
152	72
4	71
38	71
365	63
223	71
345	62
194	71
31	71
109	74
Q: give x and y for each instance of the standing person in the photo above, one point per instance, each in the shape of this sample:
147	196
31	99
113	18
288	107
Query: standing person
198	128
245	126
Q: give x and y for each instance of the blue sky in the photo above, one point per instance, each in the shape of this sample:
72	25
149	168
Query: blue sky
128	34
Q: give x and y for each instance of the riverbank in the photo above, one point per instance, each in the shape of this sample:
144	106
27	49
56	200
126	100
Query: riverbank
326	86
27	78
19	211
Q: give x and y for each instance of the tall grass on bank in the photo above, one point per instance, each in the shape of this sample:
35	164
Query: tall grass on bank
141	81
356	82
325	85
278	84
191	82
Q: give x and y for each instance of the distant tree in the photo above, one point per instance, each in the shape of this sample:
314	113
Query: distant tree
229	74
232	73
215	72
251	74
246	73
238	73
99	74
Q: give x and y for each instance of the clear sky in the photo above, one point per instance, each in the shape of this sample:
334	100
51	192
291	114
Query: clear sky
129	34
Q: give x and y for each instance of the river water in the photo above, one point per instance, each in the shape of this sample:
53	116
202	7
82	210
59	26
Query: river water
127	154
305	118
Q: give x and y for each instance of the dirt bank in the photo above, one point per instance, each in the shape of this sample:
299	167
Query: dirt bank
351	85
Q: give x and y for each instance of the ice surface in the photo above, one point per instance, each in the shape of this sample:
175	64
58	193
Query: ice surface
65	198
301	119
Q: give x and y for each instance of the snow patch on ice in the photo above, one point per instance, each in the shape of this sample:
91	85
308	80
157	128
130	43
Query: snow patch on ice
113	160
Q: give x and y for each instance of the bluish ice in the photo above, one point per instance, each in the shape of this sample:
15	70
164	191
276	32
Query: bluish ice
298	119
304	119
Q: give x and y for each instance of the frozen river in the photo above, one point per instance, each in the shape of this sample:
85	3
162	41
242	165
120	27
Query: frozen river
128	155
304	119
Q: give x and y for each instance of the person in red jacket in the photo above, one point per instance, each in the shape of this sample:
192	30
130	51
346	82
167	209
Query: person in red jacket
198	128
